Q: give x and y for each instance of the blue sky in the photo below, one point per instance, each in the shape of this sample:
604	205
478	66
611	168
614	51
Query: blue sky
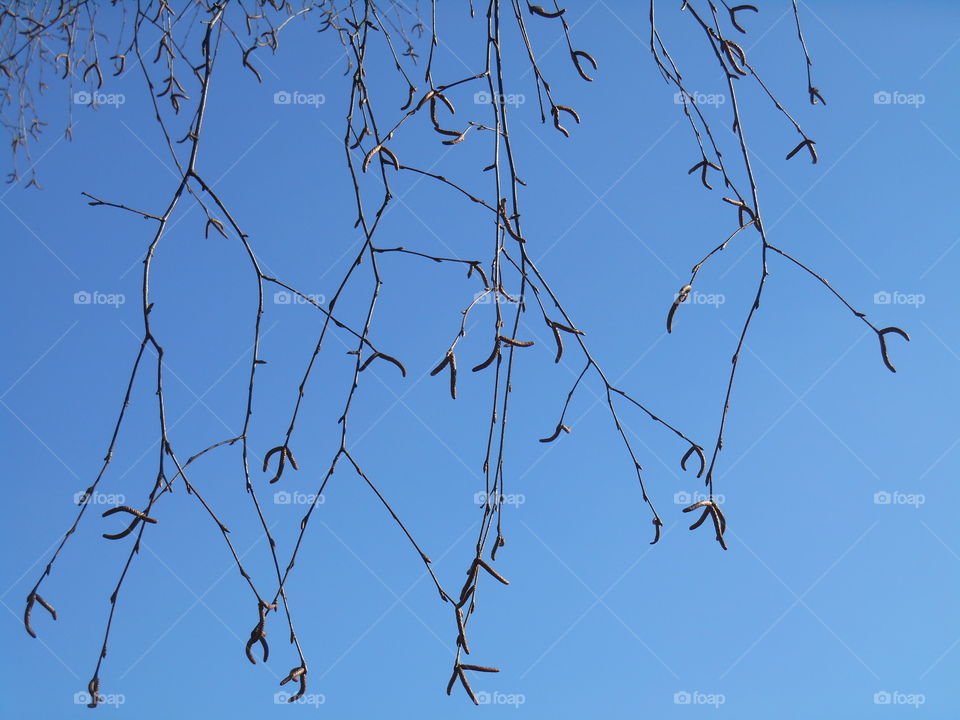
838	477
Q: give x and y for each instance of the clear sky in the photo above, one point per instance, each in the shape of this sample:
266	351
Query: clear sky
838	477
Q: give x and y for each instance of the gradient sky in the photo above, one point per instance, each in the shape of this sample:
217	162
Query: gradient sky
838	477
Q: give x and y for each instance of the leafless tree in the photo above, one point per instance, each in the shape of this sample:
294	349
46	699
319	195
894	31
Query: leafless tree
179	50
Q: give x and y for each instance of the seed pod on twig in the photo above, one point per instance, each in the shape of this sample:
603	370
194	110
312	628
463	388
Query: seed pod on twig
138	517
681	298
218	224
364	131
428	97
513	342
466	684
31	598
710	509
66	64
508	225
258	635
246	62
461	628
493	572
733	15
575	55
566	328
494	354
556	433
410	91
719	525
743	209
476	267
298	673
720	517
446	101
449	133
699	522
657	524
451	360
736	56
93	690
538	10
699	452
458	139
498	543
807	143
285	454
883	344
94	68
703	166
556	110
388	358
383	150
